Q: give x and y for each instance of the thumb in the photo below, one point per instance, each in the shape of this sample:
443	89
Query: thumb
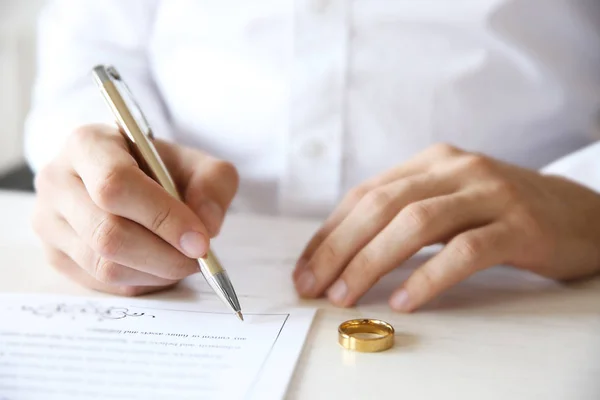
206	183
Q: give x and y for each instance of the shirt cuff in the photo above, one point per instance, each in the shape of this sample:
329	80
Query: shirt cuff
582	166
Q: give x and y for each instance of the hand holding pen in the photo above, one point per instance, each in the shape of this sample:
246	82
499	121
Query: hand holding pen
108	225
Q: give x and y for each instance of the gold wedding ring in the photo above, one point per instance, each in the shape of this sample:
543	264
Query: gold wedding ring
366	335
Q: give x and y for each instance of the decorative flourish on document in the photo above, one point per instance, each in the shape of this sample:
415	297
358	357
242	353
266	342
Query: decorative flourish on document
83	310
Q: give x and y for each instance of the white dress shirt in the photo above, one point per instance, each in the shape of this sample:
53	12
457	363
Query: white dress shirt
310	97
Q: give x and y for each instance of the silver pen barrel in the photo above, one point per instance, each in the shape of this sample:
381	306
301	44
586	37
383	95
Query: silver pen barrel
219	281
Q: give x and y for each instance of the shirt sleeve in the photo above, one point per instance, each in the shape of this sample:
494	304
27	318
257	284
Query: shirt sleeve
72	37
582	166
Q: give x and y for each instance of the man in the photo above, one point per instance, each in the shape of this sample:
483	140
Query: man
328	108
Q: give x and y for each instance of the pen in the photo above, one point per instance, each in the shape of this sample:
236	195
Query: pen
137	132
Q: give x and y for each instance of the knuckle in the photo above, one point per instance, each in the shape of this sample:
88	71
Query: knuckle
365	264
469	247
365	270
110	187
477	162
107	238
426	280
524	219
417	215
327	254
81	135
107	271
378	199
357	193
503	189
161	219
444	149
226	171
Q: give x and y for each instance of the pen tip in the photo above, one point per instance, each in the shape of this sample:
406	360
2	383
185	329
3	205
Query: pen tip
239	315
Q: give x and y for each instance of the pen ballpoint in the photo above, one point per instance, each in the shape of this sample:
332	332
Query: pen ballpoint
138	134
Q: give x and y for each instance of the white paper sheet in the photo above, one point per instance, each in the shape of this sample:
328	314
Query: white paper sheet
58	347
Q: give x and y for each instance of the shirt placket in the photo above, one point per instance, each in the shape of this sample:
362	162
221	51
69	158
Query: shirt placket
312	175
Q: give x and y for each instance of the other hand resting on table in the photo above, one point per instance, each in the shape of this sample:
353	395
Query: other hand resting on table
486	213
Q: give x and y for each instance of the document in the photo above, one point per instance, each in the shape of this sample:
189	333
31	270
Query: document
61	347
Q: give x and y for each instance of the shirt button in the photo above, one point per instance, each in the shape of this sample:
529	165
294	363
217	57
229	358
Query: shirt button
320	6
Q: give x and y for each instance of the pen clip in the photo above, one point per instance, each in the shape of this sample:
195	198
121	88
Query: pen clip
109	73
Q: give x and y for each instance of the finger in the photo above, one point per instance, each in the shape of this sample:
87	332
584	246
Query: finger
57	233
119	240
350	201
69	268
420	224
207	183
118	186
364	222
465	255
419	164
336	217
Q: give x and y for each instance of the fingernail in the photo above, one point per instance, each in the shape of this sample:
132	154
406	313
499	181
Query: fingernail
211	215
306	281
337	293
400	301
193	244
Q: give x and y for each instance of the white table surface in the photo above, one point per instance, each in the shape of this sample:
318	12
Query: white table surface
503	334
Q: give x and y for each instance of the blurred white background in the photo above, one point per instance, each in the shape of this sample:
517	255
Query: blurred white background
17	67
